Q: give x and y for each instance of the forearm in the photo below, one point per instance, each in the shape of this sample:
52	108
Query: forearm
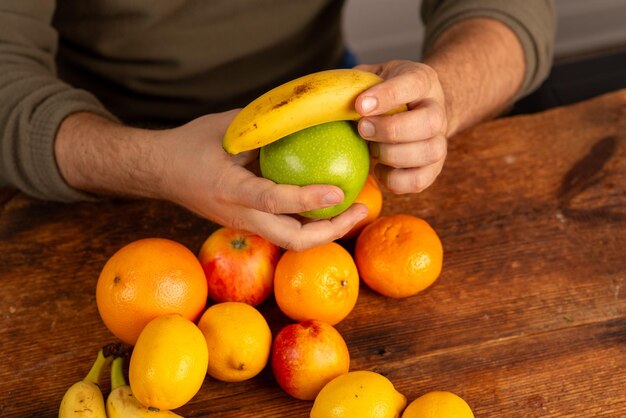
480	64
97	155
34	101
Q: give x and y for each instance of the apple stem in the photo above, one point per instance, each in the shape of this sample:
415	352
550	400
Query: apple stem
238	243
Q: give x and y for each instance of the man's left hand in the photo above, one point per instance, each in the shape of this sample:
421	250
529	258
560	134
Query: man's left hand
409	147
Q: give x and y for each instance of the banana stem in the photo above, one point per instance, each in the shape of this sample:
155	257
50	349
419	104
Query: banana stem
117	374
97	368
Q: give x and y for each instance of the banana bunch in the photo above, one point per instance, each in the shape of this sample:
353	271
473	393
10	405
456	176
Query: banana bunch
321	97
84	398
121	402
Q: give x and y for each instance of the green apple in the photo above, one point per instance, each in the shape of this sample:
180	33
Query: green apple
329	153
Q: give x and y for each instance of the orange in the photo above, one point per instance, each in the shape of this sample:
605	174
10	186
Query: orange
148	278
372	197
319	283
438	404
398	255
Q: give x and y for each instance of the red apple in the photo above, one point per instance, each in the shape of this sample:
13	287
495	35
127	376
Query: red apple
239	266
306	356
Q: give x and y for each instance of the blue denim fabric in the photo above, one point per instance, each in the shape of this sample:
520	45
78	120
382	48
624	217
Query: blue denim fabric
349	59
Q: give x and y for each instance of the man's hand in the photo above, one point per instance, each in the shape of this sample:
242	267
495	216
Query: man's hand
410	147
209	181
472	73
187	165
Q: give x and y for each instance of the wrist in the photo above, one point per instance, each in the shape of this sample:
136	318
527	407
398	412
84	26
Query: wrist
100	156
480	65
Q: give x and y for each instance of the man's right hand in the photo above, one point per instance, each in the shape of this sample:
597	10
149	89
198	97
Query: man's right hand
187	165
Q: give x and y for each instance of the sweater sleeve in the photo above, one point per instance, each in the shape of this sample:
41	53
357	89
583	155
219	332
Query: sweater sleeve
33	101
532	21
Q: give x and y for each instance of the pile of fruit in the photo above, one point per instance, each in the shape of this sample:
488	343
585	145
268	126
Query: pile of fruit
152	294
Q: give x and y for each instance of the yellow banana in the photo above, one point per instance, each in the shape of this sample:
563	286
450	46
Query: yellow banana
84	399
121	402
321	97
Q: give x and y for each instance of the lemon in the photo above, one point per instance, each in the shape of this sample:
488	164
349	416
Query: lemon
238	339
362	394
169	362
438	404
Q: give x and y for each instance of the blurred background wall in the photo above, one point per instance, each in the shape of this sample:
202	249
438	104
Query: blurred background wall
379	30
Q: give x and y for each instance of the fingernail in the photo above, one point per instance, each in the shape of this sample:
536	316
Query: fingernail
332	198
368	104
367	129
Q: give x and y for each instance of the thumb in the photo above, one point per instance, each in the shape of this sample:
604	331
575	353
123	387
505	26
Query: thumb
243	158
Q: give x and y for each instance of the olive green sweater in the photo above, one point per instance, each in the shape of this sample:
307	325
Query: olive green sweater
164	62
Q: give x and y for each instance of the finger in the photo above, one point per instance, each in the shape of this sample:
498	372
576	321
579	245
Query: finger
423	122
408	180
412	154
287	232
411	85
266	196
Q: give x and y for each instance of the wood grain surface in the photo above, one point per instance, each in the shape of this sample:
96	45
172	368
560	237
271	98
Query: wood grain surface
528	318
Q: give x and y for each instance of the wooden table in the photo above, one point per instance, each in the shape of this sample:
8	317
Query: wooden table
528	318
